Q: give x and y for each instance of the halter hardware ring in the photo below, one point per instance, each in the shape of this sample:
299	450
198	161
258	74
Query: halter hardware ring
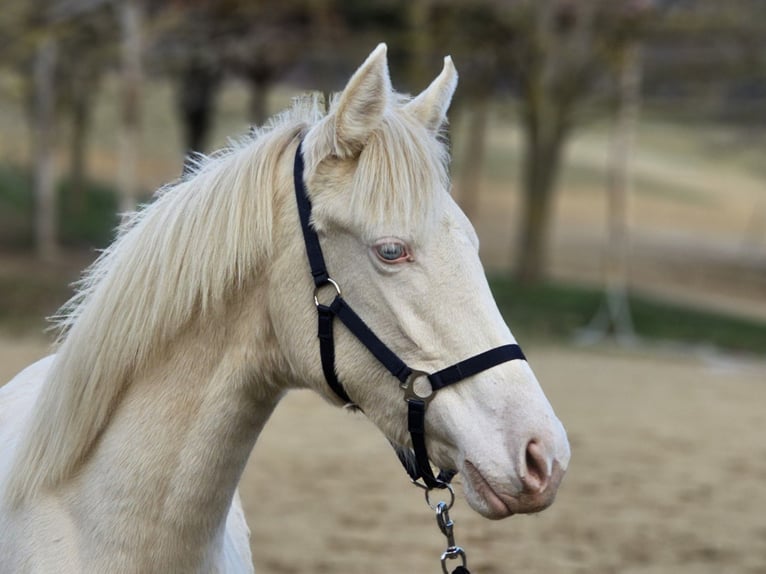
436	506
330	281
409	388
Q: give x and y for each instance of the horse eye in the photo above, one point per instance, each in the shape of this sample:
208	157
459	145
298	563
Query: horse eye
391	251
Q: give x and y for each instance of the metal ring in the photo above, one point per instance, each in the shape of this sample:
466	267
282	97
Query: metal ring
330	281
451	498
409	388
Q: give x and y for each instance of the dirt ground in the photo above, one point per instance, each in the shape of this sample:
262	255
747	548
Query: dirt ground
668	476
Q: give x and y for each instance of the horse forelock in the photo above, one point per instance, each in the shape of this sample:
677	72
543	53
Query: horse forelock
177	259
395	184
402	174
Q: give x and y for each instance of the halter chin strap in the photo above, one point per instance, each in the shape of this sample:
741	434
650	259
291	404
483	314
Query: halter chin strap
417	403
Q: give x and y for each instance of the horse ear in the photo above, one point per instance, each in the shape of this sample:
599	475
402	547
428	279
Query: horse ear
430	107
362	103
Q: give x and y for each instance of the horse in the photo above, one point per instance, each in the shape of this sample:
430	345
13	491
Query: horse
122	452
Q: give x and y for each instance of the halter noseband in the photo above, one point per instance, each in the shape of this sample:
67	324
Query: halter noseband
416	403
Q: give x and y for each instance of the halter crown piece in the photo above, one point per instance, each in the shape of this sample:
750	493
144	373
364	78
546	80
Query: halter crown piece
416	403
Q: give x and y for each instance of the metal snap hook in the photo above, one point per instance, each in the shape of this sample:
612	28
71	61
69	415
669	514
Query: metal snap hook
452	554
446	525
329	281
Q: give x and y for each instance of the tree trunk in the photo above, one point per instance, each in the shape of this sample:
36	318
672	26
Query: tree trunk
755	228
419	44
614	316
556	69
130	24
259	101
44	129
619	189
473	156
198	87
81	106
541	162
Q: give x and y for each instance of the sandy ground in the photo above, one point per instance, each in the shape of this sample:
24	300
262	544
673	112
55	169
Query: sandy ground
668	476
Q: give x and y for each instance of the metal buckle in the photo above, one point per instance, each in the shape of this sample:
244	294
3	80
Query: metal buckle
330	281
411	393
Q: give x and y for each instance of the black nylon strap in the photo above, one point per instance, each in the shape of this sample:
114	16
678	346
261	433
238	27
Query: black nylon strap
412	466
416	425
327	351
378	348
310	237
475	365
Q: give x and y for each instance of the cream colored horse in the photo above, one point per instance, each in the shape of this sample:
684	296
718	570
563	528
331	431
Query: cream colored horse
122	452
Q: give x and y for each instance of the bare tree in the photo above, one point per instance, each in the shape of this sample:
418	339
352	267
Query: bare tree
44	161
478	35
549	54
474	151
562	47
614	316
32	52
197	87
87	50
131	19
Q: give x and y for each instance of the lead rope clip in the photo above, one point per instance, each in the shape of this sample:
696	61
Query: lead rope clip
447	527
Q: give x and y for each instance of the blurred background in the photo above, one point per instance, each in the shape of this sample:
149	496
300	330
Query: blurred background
610	154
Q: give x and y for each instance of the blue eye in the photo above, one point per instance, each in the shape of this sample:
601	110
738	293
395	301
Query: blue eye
391	251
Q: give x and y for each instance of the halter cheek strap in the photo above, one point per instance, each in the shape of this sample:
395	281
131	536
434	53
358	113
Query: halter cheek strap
417	404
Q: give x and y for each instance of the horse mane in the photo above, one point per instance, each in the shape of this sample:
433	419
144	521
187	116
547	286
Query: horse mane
179	258
175	259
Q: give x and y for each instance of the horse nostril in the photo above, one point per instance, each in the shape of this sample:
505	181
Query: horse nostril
537	475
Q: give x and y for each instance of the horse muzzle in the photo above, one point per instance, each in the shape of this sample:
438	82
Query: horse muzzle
531	489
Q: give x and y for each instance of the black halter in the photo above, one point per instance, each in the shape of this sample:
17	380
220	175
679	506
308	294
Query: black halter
407	376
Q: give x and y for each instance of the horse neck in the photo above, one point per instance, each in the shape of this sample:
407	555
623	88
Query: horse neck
159	484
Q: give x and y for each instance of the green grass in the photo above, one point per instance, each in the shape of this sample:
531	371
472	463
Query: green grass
89	222
26	300
16	207
558	311
92	224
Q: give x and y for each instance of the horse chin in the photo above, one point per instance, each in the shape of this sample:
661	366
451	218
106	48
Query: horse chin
496	501
482	497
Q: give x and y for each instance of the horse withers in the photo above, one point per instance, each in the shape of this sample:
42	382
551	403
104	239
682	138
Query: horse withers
122	452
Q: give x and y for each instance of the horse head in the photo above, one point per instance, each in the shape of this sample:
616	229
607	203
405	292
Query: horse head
406	260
